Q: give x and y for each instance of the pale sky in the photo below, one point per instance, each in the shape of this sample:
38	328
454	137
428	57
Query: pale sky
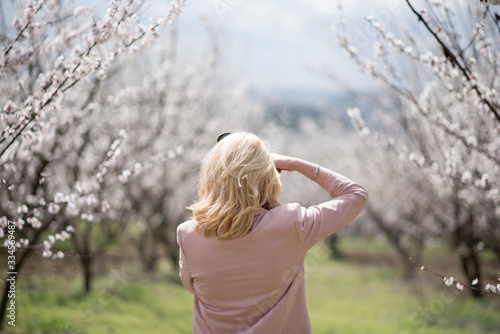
274	44
279	45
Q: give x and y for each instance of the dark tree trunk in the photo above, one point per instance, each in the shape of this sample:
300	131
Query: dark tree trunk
394	237
168	237
149	264
85	254
332	242
471	266
173	253
466	244
6	288
147	247
21	259
86	262
149	259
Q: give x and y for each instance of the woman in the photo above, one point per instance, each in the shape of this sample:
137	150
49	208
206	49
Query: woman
242	254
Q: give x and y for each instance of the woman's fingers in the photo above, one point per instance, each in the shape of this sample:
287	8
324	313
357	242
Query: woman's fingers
282	162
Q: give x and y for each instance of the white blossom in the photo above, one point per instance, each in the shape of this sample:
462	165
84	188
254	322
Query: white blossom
22	209
448	281
65	235
53	208
59	198
179	150
46	253
123	178
3	222
491	288
466	177
20	223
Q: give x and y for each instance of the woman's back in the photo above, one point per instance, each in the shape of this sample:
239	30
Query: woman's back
243	253
240	281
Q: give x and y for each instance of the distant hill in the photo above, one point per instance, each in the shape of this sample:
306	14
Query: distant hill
290	106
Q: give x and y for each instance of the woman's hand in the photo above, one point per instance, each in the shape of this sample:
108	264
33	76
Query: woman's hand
308	169
283	162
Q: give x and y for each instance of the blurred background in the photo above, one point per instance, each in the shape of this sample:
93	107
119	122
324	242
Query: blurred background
107	109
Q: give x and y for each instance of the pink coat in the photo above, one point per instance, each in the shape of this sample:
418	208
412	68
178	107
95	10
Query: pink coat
255	283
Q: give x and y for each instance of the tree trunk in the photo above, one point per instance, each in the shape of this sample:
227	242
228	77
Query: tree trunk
466	244
168	238
173	254
6	288
471	266
86	262
148	255
394	237
21	259
332	242
148	262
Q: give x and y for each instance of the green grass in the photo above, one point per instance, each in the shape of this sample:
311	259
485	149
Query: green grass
348	298
343	297
117	305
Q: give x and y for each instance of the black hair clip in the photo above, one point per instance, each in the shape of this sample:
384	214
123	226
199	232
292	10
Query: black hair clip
222	136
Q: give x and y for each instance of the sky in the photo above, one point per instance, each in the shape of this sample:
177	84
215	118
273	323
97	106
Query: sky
285	45
289	44
281	45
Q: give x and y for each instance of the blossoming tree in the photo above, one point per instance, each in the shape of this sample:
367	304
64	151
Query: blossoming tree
441	113
53	163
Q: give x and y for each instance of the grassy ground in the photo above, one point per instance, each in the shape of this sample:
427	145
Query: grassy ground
343	297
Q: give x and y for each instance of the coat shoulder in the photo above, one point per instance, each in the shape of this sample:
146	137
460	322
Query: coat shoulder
186	227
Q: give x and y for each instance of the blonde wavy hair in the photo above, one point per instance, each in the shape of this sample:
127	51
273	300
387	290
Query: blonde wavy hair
237	177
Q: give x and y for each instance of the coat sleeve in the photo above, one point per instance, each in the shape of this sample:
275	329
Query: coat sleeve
184	273
315	223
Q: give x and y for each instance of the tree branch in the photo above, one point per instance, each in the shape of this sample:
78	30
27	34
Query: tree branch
453	59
